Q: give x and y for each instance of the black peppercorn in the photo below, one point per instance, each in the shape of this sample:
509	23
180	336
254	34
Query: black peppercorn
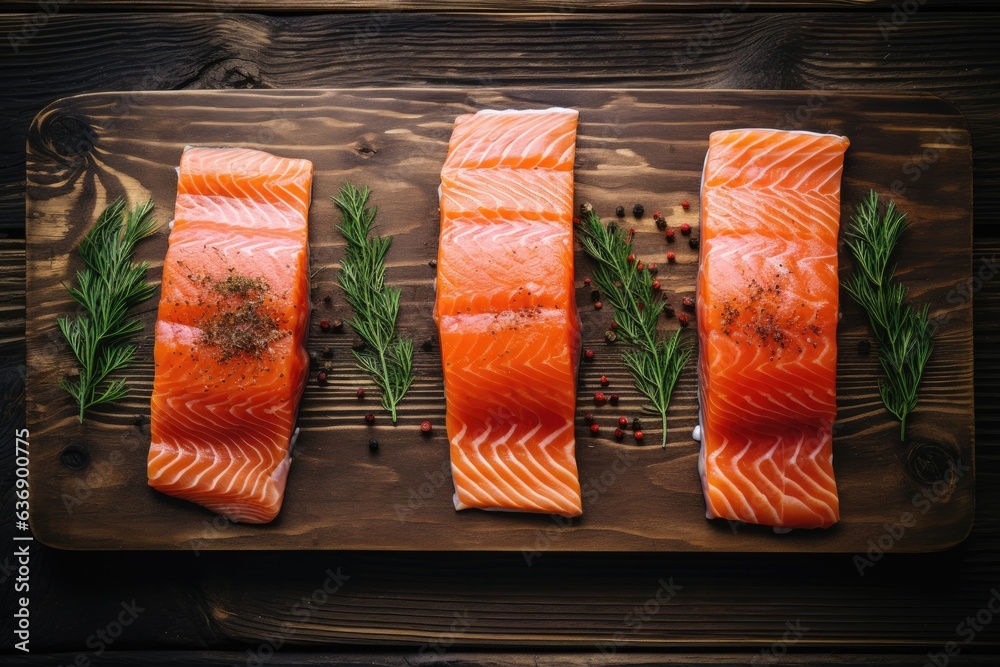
595	295
693	242
327	352
864	347
373	445
638	210
620	211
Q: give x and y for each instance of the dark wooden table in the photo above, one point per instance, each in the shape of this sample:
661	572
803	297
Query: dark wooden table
391	608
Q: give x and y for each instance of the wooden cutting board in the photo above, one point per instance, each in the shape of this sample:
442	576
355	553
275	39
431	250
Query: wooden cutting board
89	481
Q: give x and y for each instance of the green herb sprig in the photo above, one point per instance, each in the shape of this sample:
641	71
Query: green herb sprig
654	363
107	288
904	335
386	356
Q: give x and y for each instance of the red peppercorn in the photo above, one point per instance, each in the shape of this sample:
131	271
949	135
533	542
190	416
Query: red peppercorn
685	204
598	305
639	266
576	220
638	436
656	284
619	434
369	418
588	418
614	325
321	377
324	325
683	319
361	393
426	426
599	398
670	235
613	399
685	228
656	214
595	428
688	302
653	268
631	258
588	355
623	422
605	381
671	257
586	281
640	305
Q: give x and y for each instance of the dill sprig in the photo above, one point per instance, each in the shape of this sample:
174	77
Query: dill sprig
388	358
904	335
654	363
108	287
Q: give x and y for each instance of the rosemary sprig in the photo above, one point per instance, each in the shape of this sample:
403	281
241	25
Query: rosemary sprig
388	358
108	287
904	335
654	363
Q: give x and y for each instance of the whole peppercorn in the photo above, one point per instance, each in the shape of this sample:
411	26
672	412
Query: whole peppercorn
619	434
433	263
327	352
595	295
620	211
639	266
653	269
670	235
337	326
613	399
614	325
668	311
428	345
324	325
588	418
576	220
693	242
656	214
864	347
630	258
426	427
586	282
599	398
685	228
586	208
623	422
638	436
685	204
598	305
595	428
636	424
369	418
661	224
321	378
588	355
671	257
683	319
361	393
313	357
688	302
638	210
373	445
656	284
605	381
610	336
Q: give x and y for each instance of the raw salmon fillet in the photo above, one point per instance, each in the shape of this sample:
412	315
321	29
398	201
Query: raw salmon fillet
230	356
767	326
506	311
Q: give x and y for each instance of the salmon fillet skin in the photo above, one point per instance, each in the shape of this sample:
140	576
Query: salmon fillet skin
767	309
230	357
506	310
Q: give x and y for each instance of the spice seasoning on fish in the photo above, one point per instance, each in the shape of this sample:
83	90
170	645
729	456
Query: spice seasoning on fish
241	325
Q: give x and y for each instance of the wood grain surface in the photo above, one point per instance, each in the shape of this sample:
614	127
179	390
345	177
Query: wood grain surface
898	612
633	146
